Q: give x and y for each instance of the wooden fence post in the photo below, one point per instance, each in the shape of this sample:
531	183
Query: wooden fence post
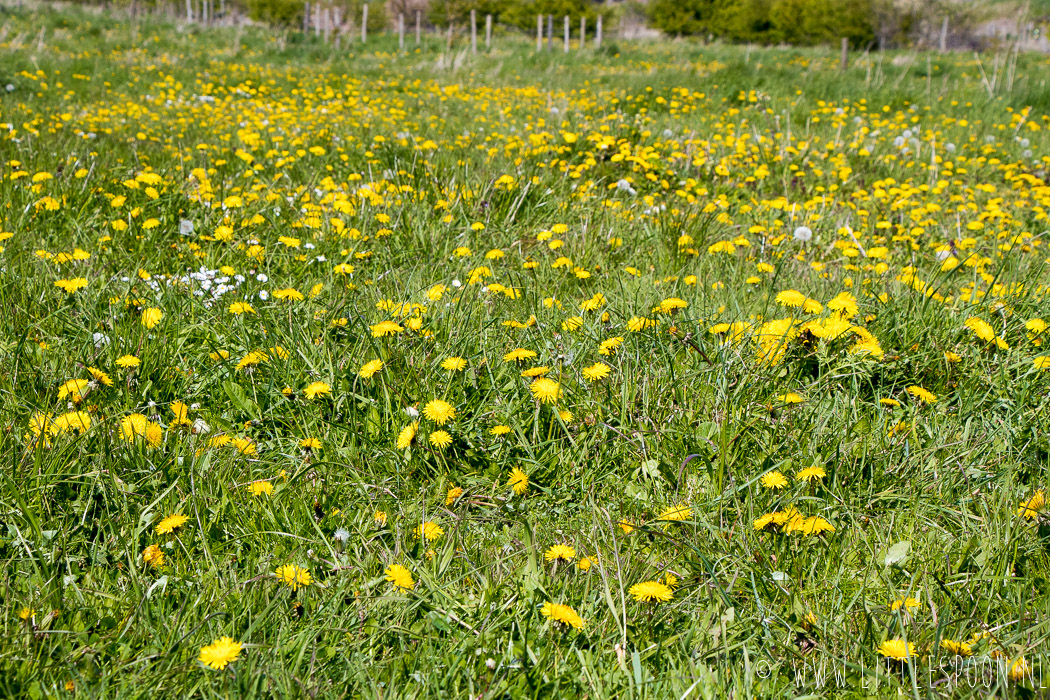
598	34
474	32
418	25
364	23
317	19
539	32
566	34
401	32
306	18
488	32
583	32
844	62
550	32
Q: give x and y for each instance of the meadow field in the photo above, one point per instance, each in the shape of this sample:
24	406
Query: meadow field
660	370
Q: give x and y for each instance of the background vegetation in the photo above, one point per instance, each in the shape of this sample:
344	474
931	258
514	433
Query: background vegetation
668	178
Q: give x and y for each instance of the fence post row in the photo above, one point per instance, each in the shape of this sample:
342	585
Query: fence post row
325	20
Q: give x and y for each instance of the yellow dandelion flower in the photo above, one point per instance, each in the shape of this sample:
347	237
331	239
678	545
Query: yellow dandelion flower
596	372
171	523
428	530
651	591
295	577
220	653
128	361
897	649
675	513
316	389
407	435
439	411
100	376
400	577
922	394
811	474
440	439
1031	508
907	603
385	328
546	390
519	355
774	480
453	364
369	369
518	481
151	317
260	488
153	557
957	648
562	614
562	552
79	421
75	389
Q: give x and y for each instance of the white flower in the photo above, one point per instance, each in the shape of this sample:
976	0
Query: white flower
100	340
803	234
412	412
264	295
185	227
262	277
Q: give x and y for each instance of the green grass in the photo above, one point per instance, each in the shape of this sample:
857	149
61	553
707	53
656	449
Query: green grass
718	144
